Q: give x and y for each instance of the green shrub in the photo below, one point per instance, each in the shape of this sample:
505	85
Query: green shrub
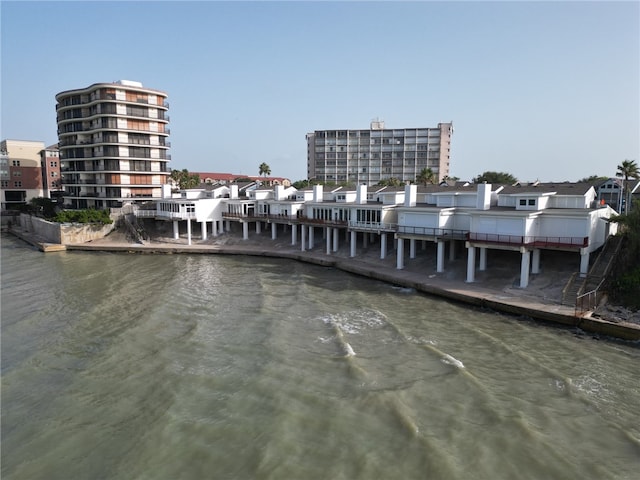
90	215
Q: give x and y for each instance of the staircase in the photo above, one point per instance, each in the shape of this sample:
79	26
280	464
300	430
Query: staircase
577	286
134	228
573	288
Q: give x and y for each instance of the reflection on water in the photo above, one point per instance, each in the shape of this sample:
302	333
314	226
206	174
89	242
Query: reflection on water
175	366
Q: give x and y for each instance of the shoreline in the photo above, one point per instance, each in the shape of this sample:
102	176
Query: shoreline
518	302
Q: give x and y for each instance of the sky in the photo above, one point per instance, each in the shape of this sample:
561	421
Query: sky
545	91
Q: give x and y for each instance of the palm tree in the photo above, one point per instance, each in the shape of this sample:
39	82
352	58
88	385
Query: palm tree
426	176
627	169
264	169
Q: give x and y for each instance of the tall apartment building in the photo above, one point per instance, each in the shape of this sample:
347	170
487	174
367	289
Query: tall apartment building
379	153
20	172
113	144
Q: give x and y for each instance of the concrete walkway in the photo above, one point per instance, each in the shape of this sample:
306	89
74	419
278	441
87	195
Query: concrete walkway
493	288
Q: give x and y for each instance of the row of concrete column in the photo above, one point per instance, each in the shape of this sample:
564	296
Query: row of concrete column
530	259
217	228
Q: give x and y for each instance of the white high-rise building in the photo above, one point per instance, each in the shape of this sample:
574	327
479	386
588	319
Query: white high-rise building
379	153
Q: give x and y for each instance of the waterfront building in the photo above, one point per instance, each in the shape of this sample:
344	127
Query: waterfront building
378	153
113	142
20	172
528	219
51	172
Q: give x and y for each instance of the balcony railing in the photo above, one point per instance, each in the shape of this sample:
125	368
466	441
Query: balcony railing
529	240
373	226
326	223
450	233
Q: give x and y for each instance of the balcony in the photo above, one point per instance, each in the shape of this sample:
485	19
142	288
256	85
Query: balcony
373	226
434	232
529	240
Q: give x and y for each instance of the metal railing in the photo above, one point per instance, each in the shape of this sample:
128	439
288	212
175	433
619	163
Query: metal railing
529	240
373	226
589	300
434	232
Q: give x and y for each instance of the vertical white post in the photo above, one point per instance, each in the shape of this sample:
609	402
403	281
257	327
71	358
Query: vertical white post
294	234
188	231
412	248
584	263
535	262
400	254
311	240
303	237
383	246
336	239
258	227
440	260
524	268
204	230
274	231
352	244
245	230
327	234
214	228
452	250
176	230
471	264
483	259
365	239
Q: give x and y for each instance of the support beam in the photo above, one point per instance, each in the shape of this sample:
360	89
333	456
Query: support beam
412	248
483	259
400	254
327	235
584	263
245	230
535	262
524	268
471	264
189	231
336	239
203	228
294	234
383	246
303	237
258	228
176	230
352	244
440	260
452	250
214	228
311	240
274	231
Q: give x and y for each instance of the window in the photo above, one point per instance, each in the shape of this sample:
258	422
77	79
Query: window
54	174
15	163
17	173
4	184
523	201
17	184
54	164
532	202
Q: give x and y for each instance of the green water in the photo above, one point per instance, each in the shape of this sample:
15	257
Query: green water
119	366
